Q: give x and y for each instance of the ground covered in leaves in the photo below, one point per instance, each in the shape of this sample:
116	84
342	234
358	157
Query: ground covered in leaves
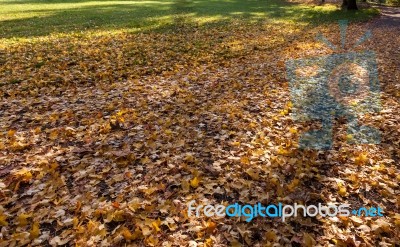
105	138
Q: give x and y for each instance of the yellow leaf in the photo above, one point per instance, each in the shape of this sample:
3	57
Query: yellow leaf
270	235
53	134
235	144
342	191
284	112
80	229
3	220
146	231
189	158
381	225
119	215
274	181
18	146
208	242
105	128
339	243
194	182
245	160
236	243
349	137
397	219
210	226
151	241
156	225
145	160
295	182
283	151
22	219
126	234
252	125
11	133
185	185
361	159
75	221
253	173
24	174
134	204
91	226
35	231
308	240
258	152
137	234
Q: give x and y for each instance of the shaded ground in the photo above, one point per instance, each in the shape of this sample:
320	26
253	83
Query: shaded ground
390	17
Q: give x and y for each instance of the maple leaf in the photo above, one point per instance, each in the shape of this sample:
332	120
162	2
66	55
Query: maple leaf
22	219
361	159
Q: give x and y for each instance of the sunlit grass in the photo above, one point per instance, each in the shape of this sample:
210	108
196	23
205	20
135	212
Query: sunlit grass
28	18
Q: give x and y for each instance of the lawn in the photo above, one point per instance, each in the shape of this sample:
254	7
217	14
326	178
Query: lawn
26	18
115	115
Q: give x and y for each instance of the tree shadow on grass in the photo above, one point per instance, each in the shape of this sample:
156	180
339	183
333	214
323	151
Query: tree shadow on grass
144	16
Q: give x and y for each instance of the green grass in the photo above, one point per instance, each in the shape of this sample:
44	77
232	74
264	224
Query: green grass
27	18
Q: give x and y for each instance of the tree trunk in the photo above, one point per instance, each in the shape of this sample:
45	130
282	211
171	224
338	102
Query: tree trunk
352	5
344	3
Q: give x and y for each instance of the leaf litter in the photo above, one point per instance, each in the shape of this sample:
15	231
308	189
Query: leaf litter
105	139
